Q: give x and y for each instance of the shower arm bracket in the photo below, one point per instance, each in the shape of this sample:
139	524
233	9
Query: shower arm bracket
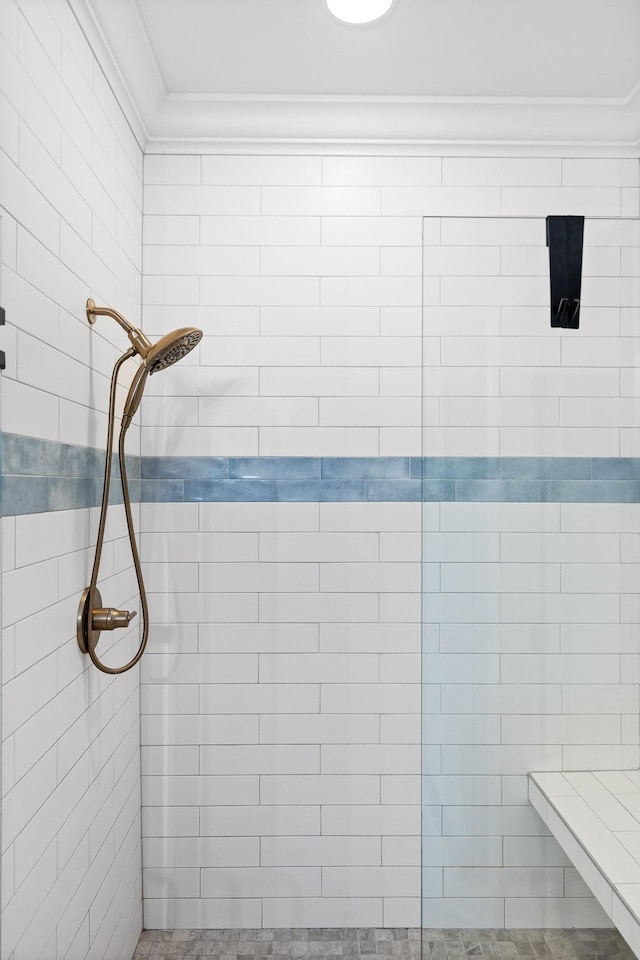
141	344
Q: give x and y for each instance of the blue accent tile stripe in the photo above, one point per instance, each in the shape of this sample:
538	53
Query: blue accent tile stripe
389	479
41	475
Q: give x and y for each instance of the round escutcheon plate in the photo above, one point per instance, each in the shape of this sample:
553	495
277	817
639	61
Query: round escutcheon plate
82	622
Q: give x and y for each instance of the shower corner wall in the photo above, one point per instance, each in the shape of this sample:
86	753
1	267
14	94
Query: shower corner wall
71	212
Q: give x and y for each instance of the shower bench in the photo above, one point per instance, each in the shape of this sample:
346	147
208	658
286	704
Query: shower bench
595	817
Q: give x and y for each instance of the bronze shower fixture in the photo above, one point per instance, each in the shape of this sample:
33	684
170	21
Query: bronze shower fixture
92	616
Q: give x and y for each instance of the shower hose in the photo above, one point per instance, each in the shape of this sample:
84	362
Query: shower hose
88	626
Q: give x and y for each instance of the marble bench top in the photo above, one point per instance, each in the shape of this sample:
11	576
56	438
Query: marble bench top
595	817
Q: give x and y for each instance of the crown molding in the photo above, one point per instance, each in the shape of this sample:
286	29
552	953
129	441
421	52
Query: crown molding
422	124
164	122
124	54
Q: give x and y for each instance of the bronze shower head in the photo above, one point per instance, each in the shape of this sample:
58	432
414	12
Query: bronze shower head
172	347
167	351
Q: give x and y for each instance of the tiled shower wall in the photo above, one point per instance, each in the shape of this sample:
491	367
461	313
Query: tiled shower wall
71	211
281	696
531	566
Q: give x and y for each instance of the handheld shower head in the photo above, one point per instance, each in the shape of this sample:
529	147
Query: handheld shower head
172	347
167	351
92	616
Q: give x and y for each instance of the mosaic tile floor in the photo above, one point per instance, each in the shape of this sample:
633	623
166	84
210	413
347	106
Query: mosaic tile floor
332	944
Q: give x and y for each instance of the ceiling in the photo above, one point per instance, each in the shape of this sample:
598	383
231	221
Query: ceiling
524	48
431	72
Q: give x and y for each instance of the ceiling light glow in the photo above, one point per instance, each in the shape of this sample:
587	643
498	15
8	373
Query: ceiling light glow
359	11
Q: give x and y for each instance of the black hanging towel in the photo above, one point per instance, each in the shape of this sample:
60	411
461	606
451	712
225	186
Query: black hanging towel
565	238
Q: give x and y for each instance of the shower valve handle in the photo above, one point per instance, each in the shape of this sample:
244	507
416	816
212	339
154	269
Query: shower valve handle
108	618
100	618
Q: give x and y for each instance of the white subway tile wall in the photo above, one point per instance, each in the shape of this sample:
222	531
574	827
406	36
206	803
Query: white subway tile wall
285	706
71	211
282	702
